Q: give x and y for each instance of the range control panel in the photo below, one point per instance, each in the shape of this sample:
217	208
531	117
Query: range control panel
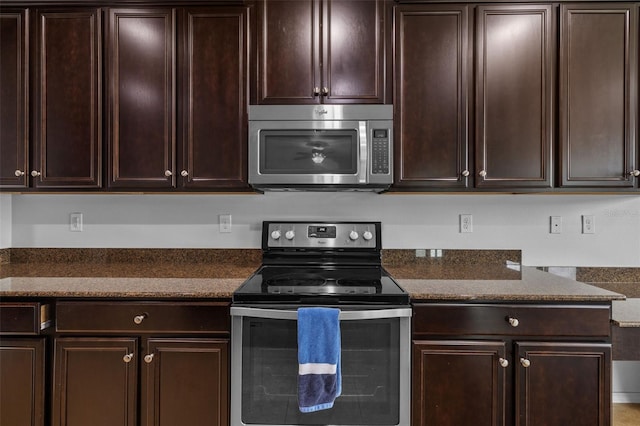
346	235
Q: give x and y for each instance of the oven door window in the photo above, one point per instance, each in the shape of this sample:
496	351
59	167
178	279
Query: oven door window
370	374
309	152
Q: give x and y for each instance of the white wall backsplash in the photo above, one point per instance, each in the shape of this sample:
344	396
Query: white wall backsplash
5	221
500	221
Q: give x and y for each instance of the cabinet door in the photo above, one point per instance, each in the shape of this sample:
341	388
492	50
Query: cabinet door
598	94
95	382
431	89
22	382
458	383
14	95
353	55
141	98
514	75
68	113
560	384
185	382
214	100
287	52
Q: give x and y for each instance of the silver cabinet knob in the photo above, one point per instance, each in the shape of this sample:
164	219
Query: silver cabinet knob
503	362
635	173
184	173
514	322
139	318
483	173
525	362
127	358
289	235
36	173
19	173
325	91
168	173
465	173
316	91
148	358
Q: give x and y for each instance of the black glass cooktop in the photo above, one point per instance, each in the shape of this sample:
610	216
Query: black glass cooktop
321	285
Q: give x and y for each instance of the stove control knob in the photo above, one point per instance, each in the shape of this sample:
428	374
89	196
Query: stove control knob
367	235
289	235
276	235
353	235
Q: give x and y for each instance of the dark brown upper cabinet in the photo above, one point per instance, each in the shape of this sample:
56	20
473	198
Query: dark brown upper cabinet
67	113
14	95
431	92
320	51
66	52
598	95
148	146
141	87
214	98
514	96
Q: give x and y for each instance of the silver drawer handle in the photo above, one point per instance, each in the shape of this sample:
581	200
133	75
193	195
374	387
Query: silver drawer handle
525	362
514	322
184	173
148	358
128	357
237	311
635	173
19	173
465	173
503	362
36	173
139	318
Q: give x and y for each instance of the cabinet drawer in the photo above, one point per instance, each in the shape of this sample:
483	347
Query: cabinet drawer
25	318
143	317
516	320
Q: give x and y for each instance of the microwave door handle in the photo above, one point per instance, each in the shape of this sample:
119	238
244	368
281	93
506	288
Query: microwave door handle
344	315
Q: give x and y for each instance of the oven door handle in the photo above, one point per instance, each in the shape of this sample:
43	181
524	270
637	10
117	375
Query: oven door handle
344	315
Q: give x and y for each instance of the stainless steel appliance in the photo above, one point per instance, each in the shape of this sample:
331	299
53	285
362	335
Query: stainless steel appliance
321	147
321	264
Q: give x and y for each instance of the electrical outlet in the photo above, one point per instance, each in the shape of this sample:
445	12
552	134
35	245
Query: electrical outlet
421	253
466	223
75	222
588	224
225	222
556	225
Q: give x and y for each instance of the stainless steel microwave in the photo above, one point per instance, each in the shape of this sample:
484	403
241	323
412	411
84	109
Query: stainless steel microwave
321	147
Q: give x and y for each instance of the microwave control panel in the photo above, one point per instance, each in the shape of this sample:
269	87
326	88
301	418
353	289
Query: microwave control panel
380	155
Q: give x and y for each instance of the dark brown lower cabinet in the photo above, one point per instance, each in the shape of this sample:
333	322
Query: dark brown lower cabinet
497	365
563	384
95	382
22	362
183	381
141	363
459	383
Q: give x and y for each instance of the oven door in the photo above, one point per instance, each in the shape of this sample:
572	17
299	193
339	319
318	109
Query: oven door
307	152
375	368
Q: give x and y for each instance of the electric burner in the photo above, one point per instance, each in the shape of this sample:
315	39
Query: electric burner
321	263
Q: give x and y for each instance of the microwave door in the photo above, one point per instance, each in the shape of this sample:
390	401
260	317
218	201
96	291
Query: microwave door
297	153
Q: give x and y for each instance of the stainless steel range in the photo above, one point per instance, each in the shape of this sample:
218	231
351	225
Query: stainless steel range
309	264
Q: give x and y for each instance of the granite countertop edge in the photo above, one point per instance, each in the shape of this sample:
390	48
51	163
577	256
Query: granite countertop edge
533	286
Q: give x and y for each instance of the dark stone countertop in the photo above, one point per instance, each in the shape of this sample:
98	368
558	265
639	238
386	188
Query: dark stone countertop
218	279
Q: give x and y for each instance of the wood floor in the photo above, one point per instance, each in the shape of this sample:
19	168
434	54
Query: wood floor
626	414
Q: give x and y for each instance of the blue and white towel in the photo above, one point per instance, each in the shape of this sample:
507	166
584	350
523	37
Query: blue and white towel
319	379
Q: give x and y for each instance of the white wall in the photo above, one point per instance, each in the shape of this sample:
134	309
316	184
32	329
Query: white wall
5	221
409	221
